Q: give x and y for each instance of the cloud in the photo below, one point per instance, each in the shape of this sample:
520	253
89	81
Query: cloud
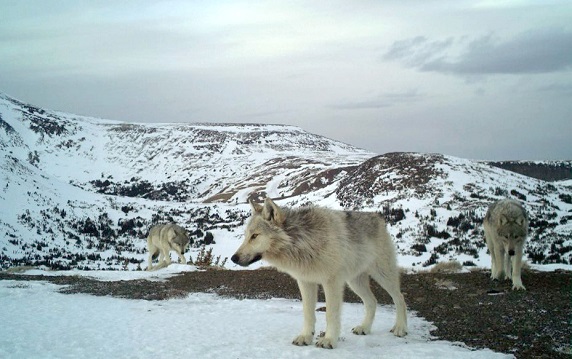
416	51
531	52
387	99
557	89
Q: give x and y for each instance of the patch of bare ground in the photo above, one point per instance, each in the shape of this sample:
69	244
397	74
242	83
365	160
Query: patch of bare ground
464	307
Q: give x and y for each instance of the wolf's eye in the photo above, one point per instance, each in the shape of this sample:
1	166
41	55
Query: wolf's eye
253	236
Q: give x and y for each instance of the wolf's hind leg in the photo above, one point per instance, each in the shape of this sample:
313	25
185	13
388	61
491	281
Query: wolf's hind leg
360	285
153	252
390	282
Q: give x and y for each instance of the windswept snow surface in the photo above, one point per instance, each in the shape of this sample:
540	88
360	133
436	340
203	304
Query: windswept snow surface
39	322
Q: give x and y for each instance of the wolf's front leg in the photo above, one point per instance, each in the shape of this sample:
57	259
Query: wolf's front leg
334	291
493	259
498	267
507	266
164	258
309	292
516	270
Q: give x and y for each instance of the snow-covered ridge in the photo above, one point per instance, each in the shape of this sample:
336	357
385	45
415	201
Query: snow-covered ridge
81	192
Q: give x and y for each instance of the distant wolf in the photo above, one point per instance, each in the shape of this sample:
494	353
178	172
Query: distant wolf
321	246
162	239
506	228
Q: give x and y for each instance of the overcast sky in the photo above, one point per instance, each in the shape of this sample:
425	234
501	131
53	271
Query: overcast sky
487	79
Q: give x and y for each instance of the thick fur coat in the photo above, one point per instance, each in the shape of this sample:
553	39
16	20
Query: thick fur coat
162	239
318	246
506	229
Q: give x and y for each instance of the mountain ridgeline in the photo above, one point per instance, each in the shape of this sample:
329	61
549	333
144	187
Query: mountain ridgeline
80	192
546	170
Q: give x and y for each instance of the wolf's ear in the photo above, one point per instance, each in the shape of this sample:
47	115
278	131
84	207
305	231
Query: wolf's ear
271	212
256	208
520	221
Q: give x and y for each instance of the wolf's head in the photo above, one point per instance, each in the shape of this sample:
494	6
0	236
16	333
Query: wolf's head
512	232
263	232
180	239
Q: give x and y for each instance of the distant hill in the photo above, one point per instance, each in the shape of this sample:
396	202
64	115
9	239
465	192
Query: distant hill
544	170
81	192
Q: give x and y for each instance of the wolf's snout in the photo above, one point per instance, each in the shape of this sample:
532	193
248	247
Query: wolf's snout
245	260
511	252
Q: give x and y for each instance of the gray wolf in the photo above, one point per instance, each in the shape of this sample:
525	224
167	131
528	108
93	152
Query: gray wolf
319	246
162	239
506	229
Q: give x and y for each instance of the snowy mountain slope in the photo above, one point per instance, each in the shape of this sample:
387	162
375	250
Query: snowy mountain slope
82	192
199	161
439	202
86	188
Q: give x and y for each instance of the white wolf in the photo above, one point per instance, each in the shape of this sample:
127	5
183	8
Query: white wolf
506	228
321	246
162	239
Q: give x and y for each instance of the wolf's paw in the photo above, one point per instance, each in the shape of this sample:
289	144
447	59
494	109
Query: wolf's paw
359	330
518	286
399	330
303	340
326	343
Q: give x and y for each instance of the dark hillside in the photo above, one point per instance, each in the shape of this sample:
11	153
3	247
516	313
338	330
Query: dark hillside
557	171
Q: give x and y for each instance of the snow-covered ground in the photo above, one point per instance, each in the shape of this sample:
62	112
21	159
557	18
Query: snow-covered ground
39	322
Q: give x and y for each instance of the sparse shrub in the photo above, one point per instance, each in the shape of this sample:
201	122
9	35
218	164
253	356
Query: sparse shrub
518	195
205	258
88	227
465	226
442	248
209	238
432	232
536	256
393	215
566	198
432	260
455	221
419	247
34	158
501	192
197	233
